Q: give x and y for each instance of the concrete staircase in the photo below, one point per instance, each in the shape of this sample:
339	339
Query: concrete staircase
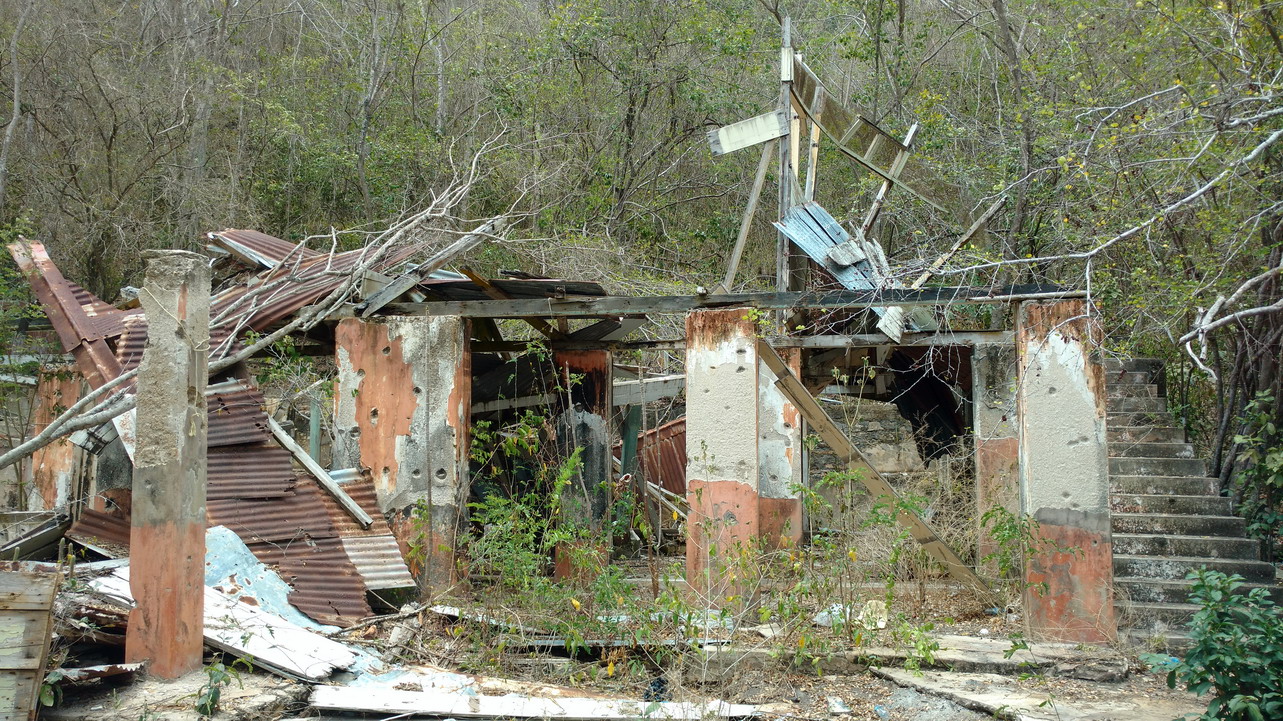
1167	516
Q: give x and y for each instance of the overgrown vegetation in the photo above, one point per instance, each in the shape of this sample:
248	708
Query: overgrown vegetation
1238	650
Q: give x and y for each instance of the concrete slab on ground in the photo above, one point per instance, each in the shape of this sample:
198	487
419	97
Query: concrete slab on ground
958	653
1004	698
256	696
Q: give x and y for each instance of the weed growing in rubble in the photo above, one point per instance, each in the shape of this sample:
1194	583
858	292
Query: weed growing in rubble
1237	653
219	675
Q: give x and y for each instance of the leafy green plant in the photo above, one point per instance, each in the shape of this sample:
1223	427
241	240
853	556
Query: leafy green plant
1260	482
1237	653
1016	538
218	676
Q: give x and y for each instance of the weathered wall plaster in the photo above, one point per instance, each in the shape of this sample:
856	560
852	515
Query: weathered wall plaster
780	455
722	466
401	410
1064	472
54	466
996	433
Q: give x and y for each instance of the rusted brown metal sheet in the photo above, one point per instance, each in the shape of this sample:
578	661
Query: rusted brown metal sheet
374	550
248	472
258	249
326	584
237	418
105	531
661	456
283	518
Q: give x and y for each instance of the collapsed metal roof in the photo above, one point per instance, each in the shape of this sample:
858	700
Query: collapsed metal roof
253	489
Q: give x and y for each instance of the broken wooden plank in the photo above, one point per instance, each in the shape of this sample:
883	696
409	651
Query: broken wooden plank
856	463
407	280
746	133
612	306
747	221
495	293
897	165
508	404
627	393
265	639
26	603
457	705
322	476
980	223
871	340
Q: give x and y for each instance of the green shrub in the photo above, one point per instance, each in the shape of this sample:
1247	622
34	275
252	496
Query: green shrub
1237	653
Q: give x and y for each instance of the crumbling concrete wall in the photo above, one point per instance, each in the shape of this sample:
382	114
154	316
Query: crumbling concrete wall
781	458
1064	472
722	466
401	409
996	433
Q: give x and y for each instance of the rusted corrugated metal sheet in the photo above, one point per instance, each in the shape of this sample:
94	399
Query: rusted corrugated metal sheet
249	472
105	530
283	518
255	248
237	418
325	582
661	456
374	550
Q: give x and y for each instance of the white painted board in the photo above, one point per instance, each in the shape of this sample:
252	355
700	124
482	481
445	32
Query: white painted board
749	132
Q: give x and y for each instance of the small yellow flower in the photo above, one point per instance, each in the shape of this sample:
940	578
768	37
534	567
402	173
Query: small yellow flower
610	669
575	603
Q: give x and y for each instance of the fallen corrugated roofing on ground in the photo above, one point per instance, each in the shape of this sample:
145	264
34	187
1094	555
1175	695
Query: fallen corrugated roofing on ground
253	488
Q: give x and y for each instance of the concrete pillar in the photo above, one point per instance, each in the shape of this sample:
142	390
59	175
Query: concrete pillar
402	410
167	538
723	467
780	459
587	377
995	430
1064	473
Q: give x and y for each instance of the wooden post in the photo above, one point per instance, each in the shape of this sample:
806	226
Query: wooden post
167	538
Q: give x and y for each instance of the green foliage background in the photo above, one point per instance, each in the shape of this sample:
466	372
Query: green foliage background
146	124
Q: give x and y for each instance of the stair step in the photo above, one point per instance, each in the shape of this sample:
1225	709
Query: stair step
1136	405
1146	434
1114	378
1158	467
1141	615
1174	568
1164	485
1124	419
1196	505
1162	544
1179	524
1132	390
1151	366
1169	641
1176	590
1133	449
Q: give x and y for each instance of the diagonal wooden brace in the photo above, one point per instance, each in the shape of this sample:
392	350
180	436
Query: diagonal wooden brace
815	416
